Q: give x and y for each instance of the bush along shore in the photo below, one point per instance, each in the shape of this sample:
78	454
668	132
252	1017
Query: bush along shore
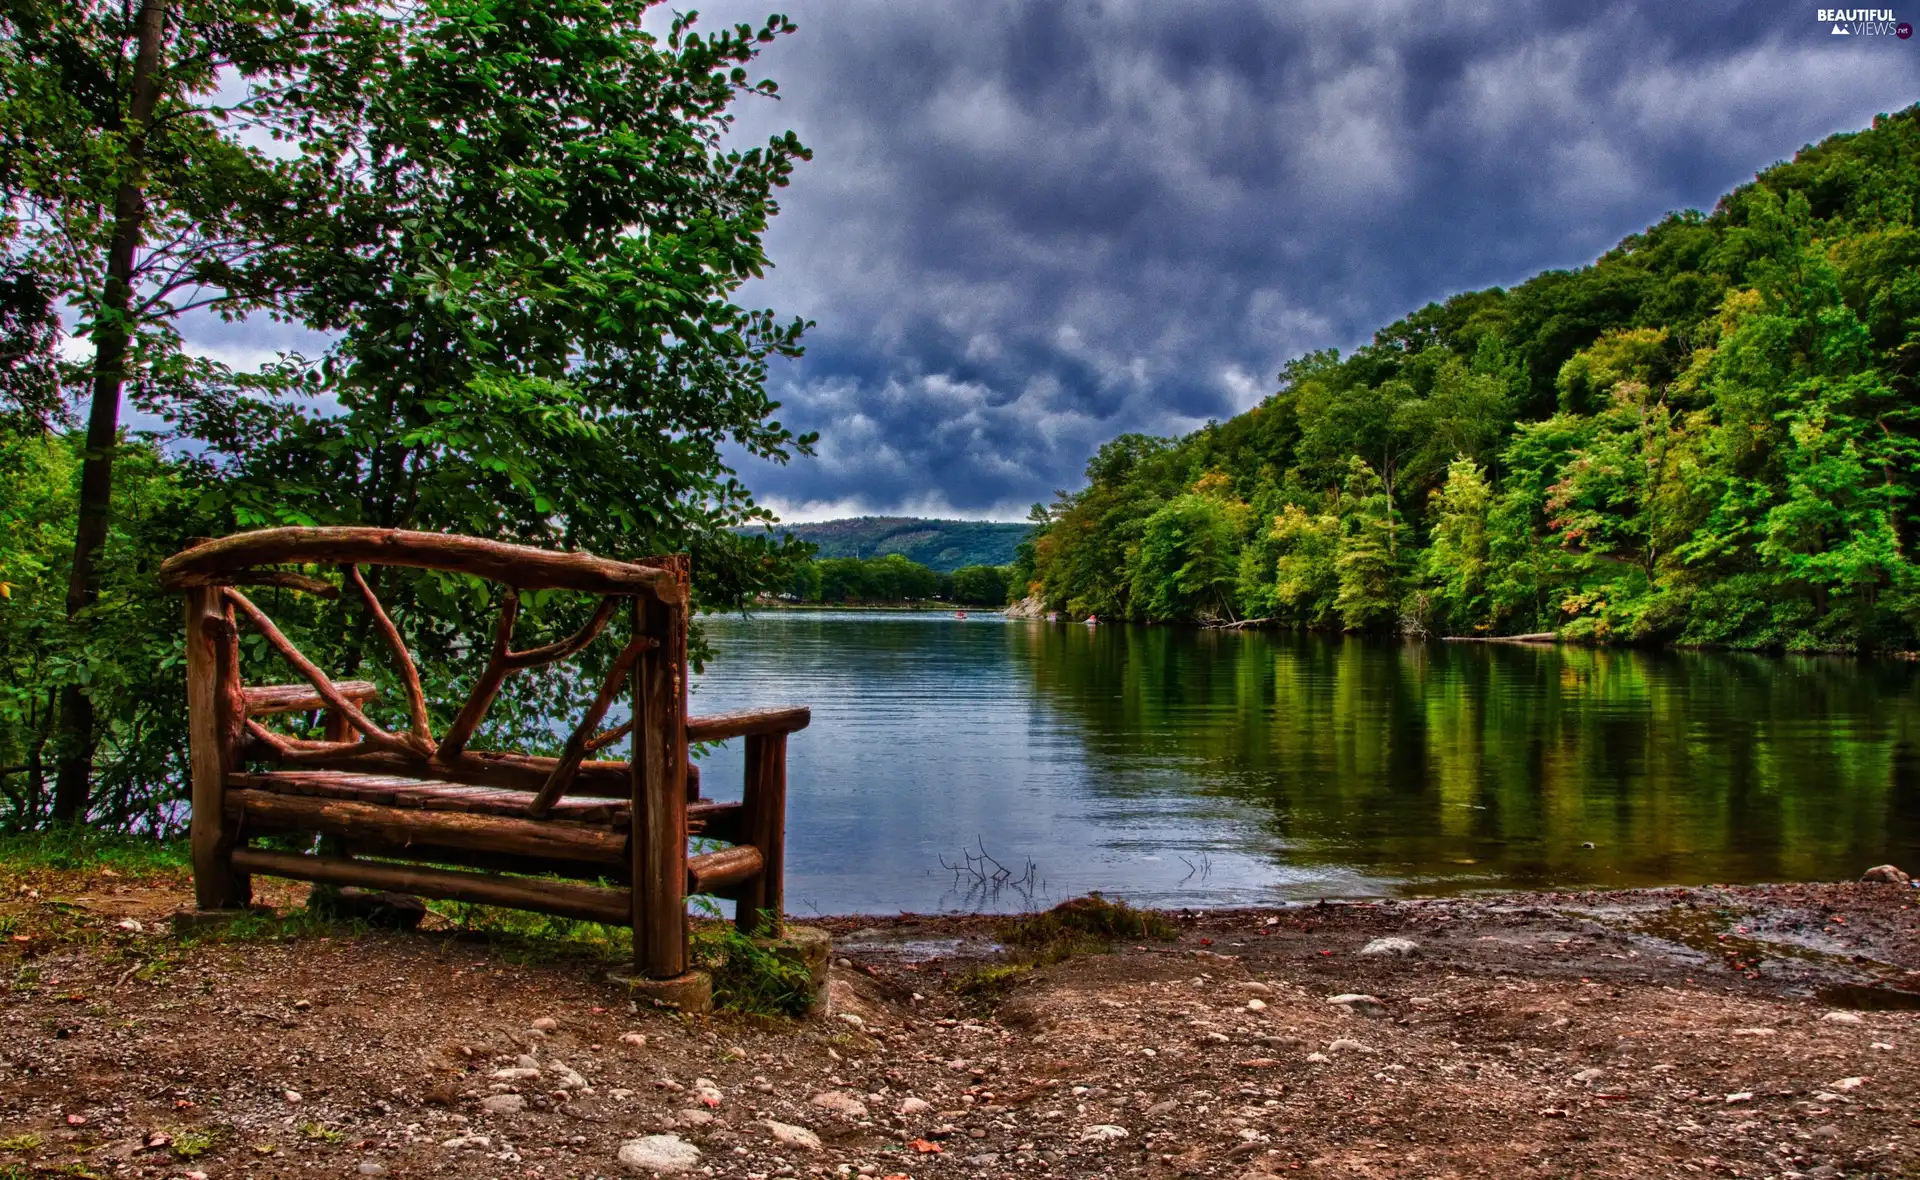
1731	1031
1705	437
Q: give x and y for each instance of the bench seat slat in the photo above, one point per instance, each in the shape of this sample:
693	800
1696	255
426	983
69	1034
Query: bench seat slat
719	821
402	826
397	791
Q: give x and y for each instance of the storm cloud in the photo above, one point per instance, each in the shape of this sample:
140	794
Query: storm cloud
1030	227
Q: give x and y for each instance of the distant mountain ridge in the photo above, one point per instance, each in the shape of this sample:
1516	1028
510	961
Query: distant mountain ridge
941	545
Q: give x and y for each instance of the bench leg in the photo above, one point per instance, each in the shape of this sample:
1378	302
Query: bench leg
763	815
212	685
659	771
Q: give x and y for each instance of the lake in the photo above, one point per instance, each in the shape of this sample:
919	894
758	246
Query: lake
1173	767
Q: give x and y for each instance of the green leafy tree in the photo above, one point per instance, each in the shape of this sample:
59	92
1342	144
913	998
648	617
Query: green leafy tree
1369	597
981	585
137	196
1466	414
1457	554
1023	575
1084	558
1306	576
1187	560
889	579
538	234
126	657
805	581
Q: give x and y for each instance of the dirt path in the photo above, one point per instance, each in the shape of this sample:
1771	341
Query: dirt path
1738	1032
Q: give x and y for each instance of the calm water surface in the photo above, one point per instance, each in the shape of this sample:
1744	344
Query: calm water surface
1170	766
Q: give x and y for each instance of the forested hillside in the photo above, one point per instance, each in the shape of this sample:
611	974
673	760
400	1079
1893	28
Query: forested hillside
941	545
1706	436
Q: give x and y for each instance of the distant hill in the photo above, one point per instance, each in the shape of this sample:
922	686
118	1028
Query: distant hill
942	545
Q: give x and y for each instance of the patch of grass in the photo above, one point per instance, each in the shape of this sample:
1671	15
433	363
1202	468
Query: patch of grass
519	936
1080	925
323	1134
23	1142
71	849
990	984
749	978
527	937
267	926
189	1145
1084	923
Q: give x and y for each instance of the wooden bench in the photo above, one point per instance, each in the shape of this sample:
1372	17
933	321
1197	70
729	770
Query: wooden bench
410	811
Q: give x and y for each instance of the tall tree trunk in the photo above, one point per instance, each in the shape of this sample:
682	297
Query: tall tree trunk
111	334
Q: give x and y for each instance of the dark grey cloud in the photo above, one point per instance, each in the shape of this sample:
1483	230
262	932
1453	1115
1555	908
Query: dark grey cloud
1029	227
1032	226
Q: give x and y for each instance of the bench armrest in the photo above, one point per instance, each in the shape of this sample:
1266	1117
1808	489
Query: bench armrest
299	698
721	726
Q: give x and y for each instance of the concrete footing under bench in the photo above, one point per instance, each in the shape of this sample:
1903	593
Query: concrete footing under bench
810	947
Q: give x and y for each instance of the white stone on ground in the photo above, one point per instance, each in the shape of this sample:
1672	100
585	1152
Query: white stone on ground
1391	946
791	1136
841	1103
1363	1004
659	1153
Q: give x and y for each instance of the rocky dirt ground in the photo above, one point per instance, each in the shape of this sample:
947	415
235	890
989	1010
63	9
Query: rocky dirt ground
1765	1031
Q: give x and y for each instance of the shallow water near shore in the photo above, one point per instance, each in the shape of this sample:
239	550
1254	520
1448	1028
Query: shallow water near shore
1176	767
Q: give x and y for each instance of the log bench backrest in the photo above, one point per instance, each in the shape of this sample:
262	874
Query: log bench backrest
212	573
225	714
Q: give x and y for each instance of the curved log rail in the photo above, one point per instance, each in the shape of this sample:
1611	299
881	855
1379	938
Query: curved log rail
233	559
407	794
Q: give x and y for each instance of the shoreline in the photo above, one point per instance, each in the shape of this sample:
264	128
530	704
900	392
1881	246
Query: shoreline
1536	639
928	607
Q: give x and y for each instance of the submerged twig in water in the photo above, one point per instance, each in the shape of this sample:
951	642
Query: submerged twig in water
1204	869
980	879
